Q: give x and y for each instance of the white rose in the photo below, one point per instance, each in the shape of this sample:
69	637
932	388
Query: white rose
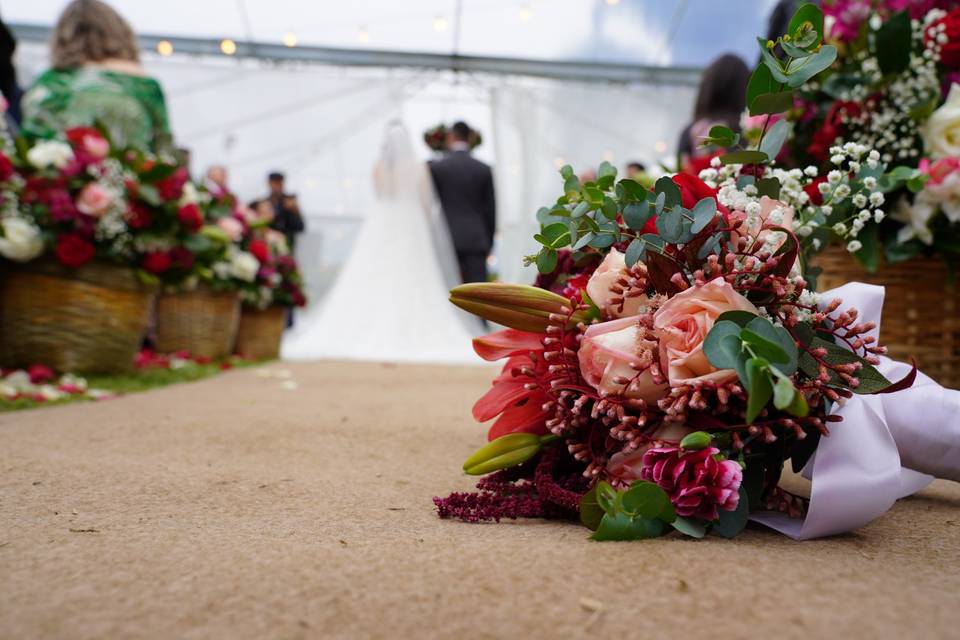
612	268
941	133
21	240
243	266
50	153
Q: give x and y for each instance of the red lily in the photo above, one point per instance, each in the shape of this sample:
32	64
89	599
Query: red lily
519	409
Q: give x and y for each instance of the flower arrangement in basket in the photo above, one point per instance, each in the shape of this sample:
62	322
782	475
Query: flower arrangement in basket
666	387
892	89
436	138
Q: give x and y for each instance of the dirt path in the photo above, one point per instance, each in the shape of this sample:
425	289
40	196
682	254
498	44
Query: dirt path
238	507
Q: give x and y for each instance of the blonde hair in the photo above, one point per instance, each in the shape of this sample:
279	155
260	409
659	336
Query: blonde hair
91	31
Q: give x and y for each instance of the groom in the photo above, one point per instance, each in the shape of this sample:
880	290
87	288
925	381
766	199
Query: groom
465	187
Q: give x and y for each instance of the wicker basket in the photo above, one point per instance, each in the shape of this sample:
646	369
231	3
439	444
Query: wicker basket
201	322
86	320
258	337
919	313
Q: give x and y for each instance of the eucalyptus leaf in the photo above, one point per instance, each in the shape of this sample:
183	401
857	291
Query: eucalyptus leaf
690	527
635	252
759	388
547	261
622	527
731	523
669	189
744	157
774	138
722	345
703	213
637	215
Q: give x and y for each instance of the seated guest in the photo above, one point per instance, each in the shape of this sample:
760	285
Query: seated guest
96	78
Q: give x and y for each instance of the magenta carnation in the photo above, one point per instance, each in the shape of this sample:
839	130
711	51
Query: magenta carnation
698	484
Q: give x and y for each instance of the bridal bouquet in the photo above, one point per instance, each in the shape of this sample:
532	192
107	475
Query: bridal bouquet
80	198
892	89
668	377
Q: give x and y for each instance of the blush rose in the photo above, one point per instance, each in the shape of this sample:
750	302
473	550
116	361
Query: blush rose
682	324
606	353
604	278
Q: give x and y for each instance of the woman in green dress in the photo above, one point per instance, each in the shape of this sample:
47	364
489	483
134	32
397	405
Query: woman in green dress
96	78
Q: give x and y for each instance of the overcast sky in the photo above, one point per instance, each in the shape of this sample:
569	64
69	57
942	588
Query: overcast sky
658	32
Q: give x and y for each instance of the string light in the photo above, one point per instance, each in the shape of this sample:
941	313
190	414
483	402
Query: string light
559	161
608	155
363	35
525	13
660	146
440	23
228	46
165	48
290	39
613	3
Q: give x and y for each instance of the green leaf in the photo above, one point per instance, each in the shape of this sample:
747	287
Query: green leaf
806	68
871	380
607	170
566	171
547	261
690	527
806	26
696	441
590	511
731	523
744	157
741	318
703	212
783	393
609	208
892	44
779	336
770	61
632	191
644	499
149	194
769	187
670	225
606	496
762	347
635	252
623	527
721	136
770	103
722	345
759	388
774	138
761	82
637	215
554	236
670	191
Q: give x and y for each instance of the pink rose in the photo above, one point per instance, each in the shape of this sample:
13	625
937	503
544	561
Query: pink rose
232	227
682	324
606	353
604	278
94	200
698	484
96	146
943	188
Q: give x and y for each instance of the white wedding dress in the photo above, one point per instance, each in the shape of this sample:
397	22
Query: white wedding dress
389	302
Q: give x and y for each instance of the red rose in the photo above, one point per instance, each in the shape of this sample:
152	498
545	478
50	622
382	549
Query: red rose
40	373
693	190
260	250
190	216
6	168
73	251
171	187
832	128
157	261
182	258
950	51
139	216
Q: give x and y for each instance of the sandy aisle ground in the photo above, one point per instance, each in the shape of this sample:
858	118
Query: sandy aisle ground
235	507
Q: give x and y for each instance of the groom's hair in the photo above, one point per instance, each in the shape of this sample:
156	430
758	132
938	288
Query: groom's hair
461	131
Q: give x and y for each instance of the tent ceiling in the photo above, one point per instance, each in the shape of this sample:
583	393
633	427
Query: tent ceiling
646	32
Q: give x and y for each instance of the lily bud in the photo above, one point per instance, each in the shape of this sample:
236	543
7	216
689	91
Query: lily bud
516	306
506	451
696	441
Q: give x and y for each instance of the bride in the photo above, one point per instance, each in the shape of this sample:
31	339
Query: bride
389	302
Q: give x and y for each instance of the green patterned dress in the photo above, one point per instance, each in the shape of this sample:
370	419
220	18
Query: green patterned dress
132	108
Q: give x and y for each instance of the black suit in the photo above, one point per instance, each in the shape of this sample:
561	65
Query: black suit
465	187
